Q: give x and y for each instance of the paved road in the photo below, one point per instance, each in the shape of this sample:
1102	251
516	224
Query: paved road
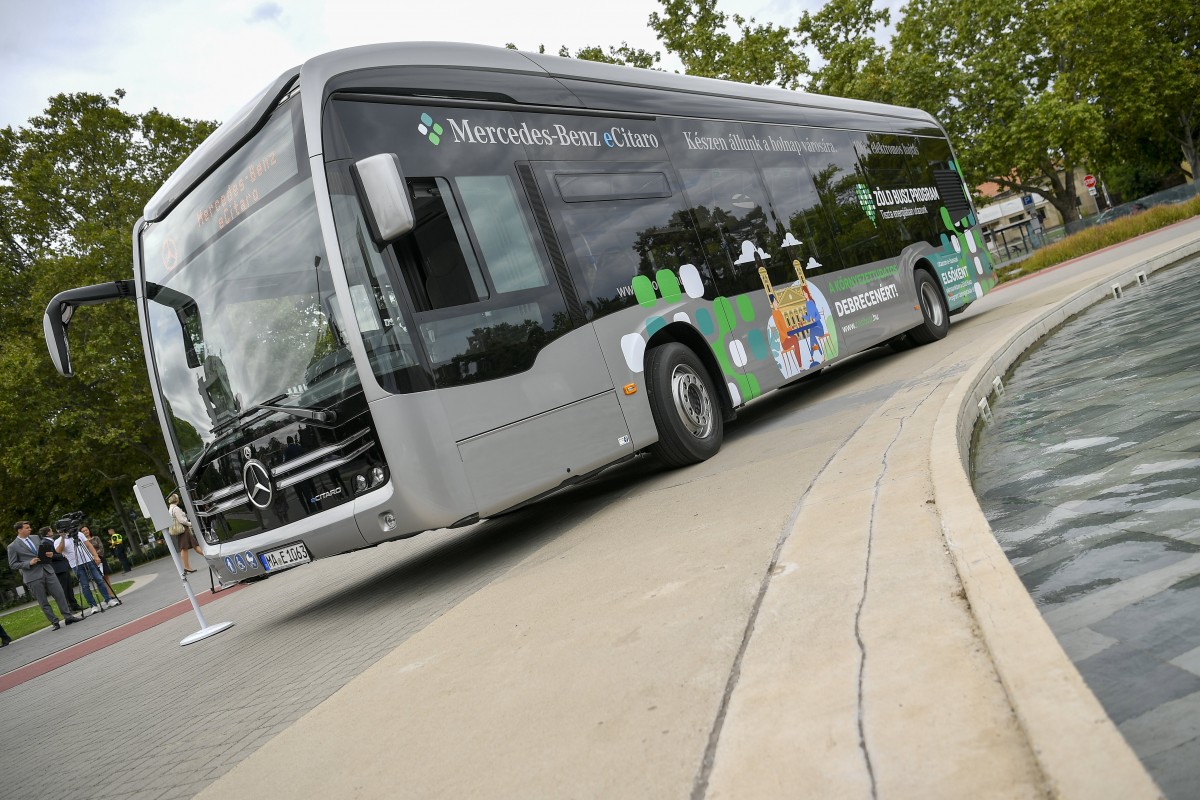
782	619
155	586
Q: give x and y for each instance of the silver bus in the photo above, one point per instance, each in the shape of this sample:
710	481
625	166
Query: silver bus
411	286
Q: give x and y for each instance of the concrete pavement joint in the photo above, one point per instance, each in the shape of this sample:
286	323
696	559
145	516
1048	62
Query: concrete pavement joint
862	601
858	636
700	786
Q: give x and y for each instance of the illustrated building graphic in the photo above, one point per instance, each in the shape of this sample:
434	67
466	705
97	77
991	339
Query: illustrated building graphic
796	317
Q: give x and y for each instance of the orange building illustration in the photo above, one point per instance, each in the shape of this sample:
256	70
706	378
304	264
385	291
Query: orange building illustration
796	317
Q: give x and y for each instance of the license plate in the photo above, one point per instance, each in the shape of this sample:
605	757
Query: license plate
291	556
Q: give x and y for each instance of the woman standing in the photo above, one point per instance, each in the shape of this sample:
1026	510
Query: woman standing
181	529
98	546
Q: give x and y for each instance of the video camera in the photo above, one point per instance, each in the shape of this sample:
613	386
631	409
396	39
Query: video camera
70	522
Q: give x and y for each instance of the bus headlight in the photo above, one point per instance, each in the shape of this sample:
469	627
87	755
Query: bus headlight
376	476
360	483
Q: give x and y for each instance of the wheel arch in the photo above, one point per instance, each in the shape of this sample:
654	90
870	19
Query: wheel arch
691	338
917	258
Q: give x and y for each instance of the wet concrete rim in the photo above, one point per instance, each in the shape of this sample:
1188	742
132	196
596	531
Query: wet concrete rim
1079	749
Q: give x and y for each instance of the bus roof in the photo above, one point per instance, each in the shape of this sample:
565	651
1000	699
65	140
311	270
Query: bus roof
316	73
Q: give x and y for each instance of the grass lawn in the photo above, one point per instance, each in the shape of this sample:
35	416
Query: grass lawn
27	620
1099	237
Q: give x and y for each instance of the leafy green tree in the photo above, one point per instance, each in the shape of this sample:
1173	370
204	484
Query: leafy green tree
1149	91
993	74
625	55
72	184
697	33
843	35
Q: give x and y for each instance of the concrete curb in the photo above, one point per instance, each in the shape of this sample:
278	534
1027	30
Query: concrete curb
1078	748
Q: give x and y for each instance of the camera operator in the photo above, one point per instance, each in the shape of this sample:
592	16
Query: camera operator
101	563
32	559
78	550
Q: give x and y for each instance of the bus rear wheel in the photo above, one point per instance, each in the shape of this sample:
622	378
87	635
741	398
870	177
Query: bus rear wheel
684	403
935	323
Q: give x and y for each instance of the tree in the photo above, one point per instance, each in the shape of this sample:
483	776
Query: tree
72	184
843	34
992	73
695	31
625	55
1149	92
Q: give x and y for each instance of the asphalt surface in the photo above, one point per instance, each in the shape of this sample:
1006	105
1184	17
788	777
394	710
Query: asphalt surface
735	629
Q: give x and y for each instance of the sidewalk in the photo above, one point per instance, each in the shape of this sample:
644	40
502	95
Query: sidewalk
155	586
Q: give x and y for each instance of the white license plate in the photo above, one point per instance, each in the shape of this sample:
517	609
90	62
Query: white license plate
291	556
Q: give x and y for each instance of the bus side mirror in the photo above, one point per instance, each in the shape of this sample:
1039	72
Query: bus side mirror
384	194
61	309
54	326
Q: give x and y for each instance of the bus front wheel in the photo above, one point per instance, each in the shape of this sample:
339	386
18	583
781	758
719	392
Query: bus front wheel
684	403
935	322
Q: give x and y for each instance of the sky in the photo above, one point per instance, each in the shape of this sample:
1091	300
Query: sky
204	60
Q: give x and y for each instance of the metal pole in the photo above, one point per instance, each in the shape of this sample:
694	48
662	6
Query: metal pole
206	630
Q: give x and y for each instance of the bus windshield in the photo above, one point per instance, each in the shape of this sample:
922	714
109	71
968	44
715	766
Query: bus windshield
241	308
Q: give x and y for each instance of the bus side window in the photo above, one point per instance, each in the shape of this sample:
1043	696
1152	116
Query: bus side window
621	224
730	208
437	259
484	301
799	210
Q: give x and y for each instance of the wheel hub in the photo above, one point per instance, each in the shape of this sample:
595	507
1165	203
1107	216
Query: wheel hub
692	401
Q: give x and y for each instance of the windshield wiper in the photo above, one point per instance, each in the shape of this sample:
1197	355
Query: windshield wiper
200	459
314	414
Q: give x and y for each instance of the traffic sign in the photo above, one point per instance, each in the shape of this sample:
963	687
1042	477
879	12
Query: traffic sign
1089	181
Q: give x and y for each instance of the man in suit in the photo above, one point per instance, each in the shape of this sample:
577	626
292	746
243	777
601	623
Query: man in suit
29	556
62	568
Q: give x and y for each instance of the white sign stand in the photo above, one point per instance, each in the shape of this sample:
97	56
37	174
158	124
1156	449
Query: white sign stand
154	508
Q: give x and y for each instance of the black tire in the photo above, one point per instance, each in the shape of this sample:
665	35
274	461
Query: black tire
936	318
686	408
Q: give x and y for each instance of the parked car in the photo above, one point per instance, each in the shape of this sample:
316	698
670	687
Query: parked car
1123	210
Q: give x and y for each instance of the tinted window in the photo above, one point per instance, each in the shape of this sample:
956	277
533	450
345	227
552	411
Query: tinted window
903	190
794	197
613	242
437	258
478	340
729	202
843	190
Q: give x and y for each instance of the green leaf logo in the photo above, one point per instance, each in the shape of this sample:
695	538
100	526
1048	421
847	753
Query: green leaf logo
865	200
430	128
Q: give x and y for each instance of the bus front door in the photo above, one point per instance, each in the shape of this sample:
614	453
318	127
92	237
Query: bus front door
522	380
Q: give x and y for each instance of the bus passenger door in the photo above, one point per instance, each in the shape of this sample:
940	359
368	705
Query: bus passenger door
521	378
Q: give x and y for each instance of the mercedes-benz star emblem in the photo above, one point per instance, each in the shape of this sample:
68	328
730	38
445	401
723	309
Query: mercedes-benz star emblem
258	483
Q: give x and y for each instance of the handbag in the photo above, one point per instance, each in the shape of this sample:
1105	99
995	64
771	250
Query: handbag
176	528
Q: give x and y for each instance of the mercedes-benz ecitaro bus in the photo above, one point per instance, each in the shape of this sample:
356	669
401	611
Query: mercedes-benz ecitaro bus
411	286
